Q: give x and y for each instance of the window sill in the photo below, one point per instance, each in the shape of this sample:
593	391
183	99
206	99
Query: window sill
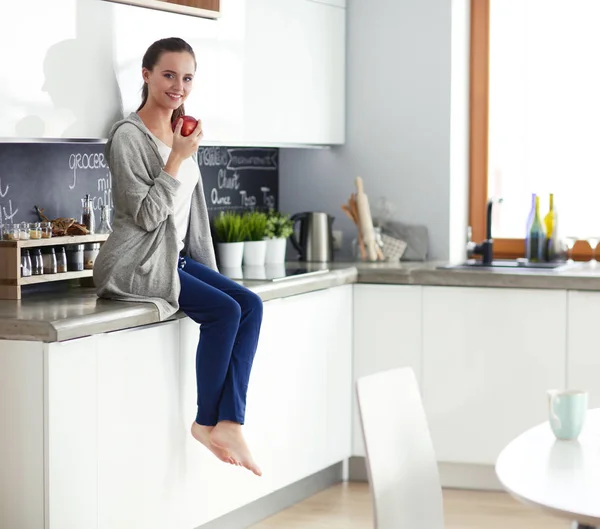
515	248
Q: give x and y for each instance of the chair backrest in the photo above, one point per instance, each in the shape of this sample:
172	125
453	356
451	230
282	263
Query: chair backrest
401	463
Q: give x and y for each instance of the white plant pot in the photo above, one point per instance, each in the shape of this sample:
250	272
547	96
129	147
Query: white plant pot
254	253
230	254
275	251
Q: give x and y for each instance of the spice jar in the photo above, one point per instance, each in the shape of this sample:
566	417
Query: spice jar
61	259
75	257
37	262
87	214
49	257
25	263
11	232
24	231
35	230
89	254
46	230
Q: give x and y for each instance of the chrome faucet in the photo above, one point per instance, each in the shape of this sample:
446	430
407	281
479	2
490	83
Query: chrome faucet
486	247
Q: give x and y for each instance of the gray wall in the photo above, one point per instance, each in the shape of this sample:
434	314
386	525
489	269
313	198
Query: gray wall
407	122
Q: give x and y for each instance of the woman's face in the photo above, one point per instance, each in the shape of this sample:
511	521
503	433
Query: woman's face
171	80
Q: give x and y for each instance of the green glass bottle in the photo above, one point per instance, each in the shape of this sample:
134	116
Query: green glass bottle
536	238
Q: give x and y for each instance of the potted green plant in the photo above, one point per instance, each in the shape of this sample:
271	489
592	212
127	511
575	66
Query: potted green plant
231	235
255	247
279	228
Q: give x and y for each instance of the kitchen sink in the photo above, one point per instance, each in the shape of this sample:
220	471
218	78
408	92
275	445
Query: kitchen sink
514	264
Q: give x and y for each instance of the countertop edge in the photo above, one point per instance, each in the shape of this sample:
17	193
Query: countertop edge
142	314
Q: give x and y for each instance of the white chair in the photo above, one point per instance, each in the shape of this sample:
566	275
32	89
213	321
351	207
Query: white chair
401	463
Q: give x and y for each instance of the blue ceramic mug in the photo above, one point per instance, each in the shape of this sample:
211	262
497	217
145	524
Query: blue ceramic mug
567	410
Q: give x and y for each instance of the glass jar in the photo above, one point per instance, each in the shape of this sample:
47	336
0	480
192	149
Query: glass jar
49	257
61	259
24	231
87	214
46	230
105	226
35	230
75	257
25	263
37	262
11	232
89	254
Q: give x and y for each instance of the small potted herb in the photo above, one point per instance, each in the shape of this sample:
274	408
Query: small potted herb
255	247
279	228
231	235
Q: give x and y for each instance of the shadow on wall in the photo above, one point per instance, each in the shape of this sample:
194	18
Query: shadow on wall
80	80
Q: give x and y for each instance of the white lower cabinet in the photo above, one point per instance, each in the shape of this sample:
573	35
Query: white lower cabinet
336	322
387	335
72	433
583	368
22	448
298	404
489	355
141	431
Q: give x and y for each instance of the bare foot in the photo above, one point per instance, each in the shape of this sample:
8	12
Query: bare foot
202	434
228	436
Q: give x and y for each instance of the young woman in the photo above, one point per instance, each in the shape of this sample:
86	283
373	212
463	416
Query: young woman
161	248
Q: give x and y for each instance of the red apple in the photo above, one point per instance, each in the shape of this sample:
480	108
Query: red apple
188	126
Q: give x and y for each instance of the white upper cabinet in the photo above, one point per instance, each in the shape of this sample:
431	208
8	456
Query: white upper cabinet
268	71
294	89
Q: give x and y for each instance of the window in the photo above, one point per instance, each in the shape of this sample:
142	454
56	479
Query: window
535	117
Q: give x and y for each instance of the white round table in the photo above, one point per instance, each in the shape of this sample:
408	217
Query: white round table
560	477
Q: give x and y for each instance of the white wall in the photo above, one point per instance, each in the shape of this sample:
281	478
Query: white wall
407	117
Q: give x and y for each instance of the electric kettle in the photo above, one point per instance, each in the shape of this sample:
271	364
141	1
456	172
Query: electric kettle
315	241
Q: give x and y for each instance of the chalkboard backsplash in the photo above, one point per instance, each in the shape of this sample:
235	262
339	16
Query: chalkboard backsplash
56	176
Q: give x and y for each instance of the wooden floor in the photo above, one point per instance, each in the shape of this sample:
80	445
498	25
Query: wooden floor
348	506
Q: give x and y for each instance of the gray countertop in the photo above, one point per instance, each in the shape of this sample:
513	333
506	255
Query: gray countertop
68	314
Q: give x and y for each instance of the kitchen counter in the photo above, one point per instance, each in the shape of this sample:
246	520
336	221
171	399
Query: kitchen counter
579	276
74	313
53	317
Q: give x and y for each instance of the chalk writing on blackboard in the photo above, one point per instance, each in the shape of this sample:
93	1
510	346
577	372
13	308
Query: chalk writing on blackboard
92	162
6	206
265	159
241	178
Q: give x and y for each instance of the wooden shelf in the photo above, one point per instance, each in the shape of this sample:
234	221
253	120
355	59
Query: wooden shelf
54	241
11	281
47	278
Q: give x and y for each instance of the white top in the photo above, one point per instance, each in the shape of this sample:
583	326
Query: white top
561	477
188	175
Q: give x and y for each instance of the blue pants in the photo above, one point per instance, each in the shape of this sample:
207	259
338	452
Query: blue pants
230	316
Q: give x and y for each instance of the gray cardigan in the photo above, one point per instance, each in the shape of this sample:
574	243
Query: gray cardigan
139	260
